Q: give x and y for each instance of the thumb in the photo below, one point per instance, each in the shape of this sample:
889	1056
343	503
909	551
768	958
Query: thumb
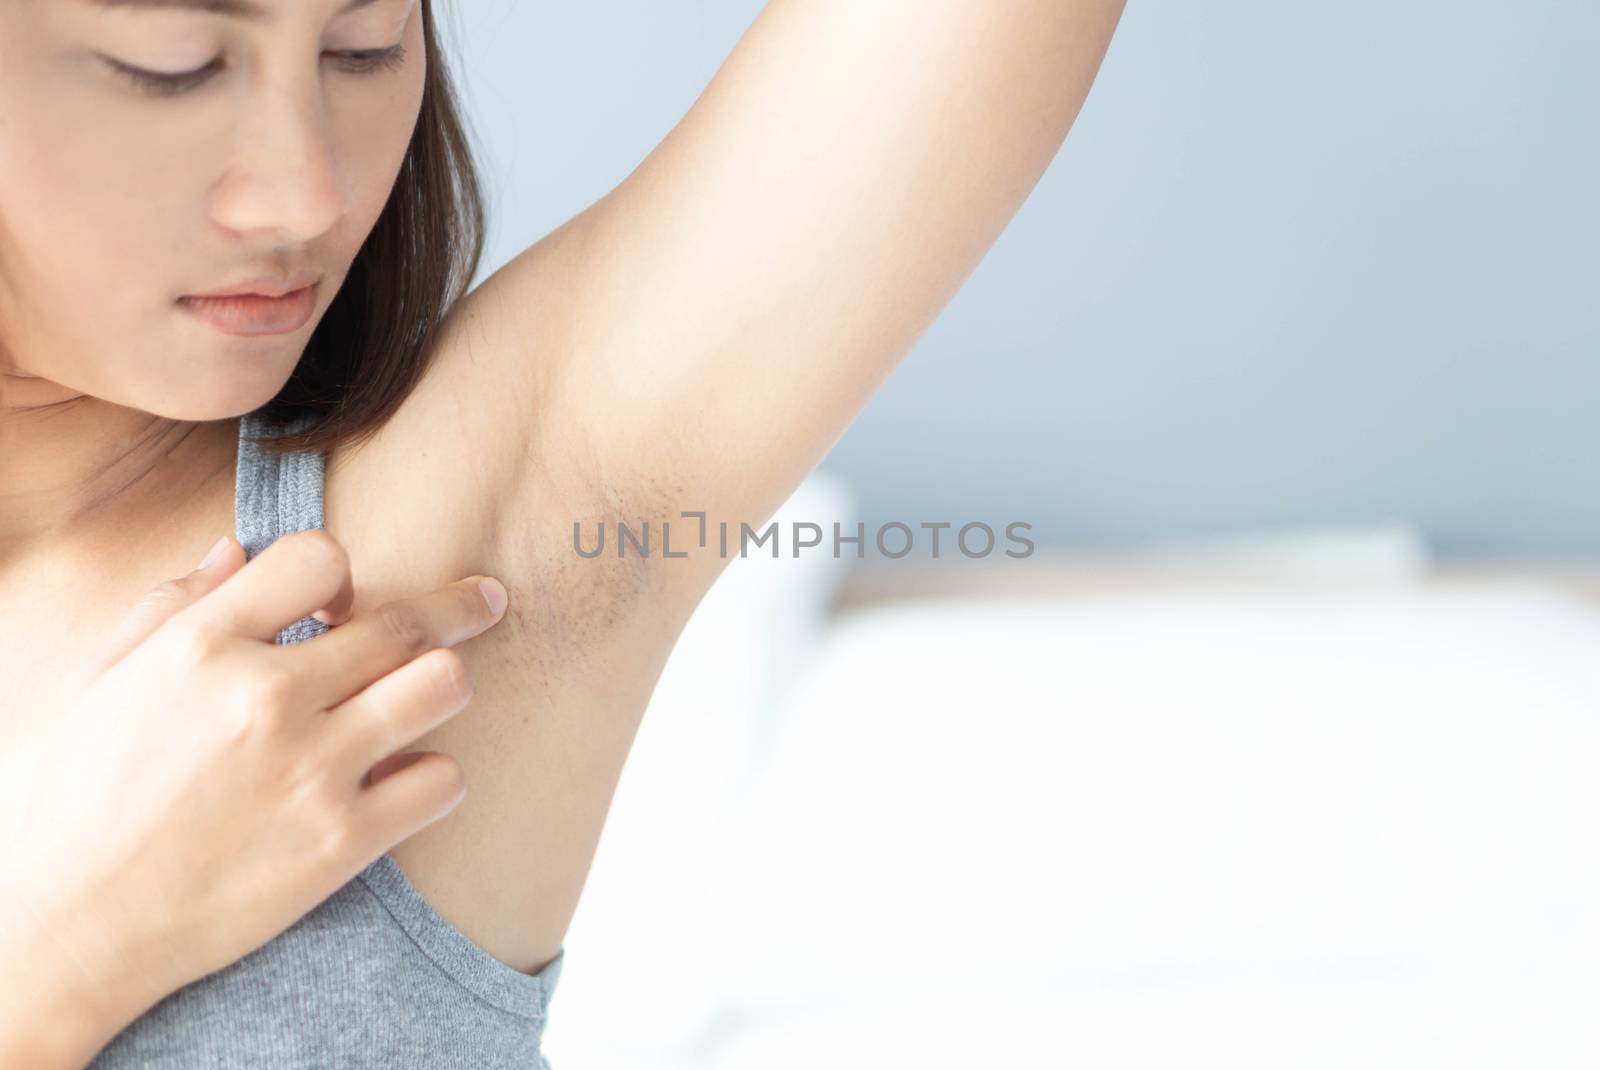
167	598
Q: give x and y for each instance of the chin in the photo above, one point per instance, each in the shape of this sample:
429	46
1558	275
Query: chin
223	396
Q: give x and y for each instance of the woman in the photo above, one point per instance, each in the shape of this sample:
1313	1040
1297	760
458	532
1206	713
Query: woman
224	222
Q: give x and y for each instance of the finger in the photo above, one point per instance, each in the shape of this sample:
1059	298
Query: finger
337	665
395	711
297	575
392	764
337	612
164	602
407	801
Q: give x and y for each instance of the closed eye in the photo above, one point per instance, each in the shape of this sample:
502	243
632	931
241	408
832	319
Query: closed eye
156	83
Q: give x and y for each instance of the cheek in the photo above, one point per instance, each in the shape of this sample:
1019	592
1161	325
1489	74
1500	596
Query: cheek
372	136
377	144
81	213
104	182
392	122
377	129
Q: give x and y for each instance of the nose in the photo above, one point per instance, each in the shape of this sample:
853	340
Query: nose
285	173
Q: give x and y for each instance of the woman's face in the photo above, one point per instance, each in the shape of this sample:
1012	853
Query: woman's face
118	197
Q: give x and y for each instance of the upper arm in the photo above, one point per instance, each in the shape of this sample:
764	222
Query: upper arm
751	284
700	337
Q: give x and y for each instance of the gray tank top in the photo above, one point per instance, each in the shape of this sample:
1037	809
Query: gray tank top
372	976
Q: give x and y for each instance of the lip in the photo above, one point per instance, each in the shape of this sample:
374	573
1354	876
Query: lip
270	284
250	313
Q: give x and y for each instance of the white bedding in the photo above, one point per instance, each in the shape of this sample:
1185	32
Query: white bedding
1305	827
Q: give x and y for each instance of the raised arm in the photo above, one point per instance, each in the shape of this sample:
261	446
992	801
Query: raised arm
730	307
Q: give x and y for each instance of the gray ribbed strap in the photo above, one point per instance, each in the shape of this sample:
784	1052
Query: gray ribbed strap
276	495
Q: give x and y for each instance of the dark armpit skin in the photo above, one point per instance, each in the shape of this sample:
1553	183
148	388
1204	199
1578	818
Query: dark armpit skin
566	609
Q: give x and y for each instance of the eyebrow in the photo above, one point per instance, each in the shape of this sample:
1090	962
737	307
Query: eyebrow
245	9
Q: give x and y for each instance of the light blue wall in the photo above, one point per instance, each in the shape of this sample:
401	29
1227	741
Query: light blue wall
1298	263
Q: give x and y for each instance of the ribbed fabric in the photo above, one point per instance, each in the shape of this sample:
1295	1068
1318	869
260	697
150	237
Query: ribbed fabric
273	496
372	977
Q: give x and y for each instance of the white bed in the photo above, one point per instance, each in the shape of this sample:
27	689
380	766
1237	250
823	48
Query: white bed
1342	819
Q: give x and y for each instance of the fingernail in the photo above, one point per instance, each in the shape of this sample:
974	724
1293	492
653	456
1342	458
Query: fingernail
212	554
494	594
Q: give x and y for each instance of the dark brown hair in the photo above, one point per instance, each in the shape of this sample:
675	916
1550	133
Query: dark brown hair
373	344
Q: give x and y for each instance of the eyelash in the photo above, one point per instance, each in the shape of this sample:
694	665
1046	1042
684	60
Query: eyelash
367	61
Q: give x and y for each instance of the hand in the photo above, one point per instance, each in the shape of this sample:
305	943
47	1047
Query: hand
204	788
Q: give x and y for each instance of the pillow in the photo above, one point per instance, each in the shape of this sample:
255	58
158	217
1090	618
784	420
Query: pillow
1146	789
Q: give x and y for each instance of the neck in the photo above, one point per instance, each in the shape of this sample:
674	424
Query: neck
72	464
